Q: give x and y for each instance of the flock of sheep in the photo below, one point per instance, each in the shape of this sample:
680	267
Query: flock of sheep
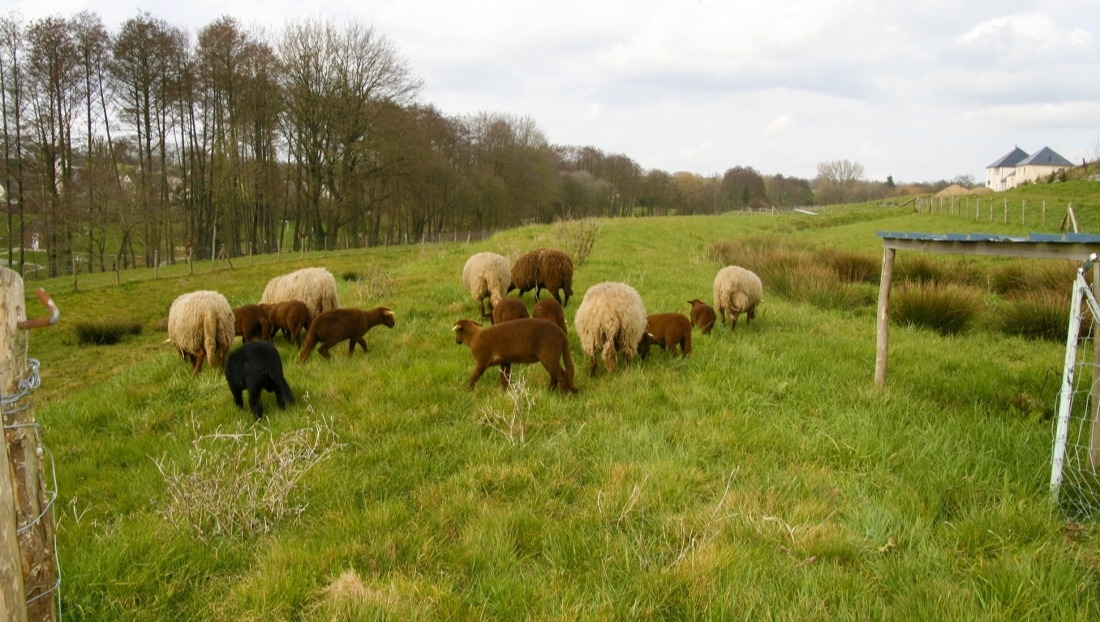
610	321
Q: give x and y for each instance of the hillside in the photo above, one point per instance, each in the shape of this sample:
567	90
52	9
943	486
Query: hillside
762	476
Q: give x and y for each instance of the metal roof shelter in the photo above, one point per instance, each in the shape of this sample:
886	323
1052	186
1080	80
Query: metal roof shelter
1073	246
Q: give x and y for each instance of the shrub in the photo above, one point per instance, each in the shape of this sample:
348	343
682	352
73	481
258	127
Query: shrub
105	333
578	237
239	483
947	309
1041	314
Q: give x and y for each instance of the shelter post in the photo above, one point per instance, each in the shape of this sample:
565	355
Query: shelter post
883	343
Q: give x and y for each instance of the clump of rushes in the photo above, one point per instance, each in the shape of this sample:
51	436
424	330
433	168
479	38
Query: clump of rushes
1040	314
104	333
947	309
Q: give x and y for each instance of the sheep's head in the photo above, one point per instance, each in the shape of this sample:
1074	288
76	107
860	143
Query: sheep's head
465	330
644	343
387	317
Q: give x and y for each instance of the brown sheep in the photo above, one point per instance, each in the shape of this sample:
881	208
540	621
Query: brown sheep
291	317
702	315
666	330
544	268
519	341
550	309
336	325
509	309
250	322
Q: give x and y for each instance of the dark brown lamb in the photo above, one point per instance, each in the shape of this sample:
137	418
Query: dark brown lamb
291	317
250	322
702	315
509	309
667	330
335	325
519	341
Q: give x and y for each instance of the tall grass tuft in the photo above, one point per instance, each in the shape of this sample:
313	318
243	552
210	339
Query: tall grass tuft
947	309
374	286
852	267
1039	314
1020	278
919	269
819	286
238	483
104	332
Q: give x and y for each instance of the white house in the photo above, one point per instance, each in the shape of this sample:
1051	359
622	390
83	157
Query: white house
1016	167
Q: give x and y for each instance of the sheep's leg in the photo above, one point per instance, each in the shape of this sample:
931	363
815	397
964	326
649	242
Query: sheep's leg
238	399
609	358
478	370
362	344
196	365
255	391
592	366
323	350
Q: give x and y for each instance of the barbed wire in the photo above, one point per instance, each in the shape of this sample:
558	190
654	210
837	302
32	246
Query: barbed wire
11	405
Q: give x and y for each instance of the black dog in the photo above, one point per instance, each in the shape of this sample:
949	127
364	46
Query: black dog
256	366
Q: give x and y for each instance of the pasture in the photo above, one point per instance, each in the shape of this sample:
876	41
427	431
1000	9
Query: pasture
762	476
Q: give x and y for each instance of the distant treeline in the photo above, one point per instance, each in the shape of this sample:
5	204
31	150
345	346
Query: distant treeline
149	143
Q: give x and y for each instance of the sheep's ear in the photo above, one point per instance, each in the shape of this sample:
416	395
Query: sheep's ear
456	327
387	312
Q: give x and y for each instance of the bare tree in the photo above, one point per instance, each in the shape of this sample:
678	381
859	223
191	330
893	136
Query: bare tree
13	102
338	84
836	180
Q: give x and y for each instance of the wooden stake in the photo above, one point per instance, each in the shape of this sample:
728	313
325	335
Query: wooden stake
883	343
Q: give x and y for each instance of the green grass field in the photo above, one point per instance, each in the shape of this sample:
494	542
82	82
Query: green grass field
762	477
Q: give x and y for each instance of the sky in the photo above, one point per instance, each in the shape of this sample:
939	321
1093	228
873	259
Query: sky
922	90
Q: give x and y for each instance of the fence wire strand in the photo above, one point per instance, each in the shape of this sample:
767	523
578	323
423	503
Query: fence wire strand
11	405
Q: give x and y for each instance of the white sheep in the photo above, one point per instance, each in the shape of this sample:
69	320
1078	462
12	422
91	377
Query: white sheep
201	325
737	291
611	319
487	275
314	286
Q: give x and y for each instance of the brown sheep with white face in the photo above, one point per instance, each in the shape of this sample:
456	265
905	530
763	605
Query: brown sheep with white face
526	340
250	322
509	309
702	315
667	330
333	326
291	317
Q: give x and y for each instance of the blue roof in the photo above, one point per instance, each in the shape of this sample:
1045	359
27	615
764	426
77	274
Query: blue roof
1012	158
1056	238
1046	157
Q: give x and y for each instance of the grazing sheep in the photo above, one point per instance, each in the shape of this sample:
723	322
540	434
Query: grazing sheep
509	309
291	317
737	291
256	366
544	268
610	319
200	325
250	322
486	276
525	340
667	330
702	315
550	309
336	325
314	286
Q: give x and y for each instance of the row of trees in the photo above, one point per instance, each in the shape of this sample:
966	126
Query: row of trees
148	145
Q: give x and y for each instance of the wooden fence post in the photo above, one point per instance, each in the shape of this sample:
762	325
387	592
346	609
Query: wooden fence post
28	500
